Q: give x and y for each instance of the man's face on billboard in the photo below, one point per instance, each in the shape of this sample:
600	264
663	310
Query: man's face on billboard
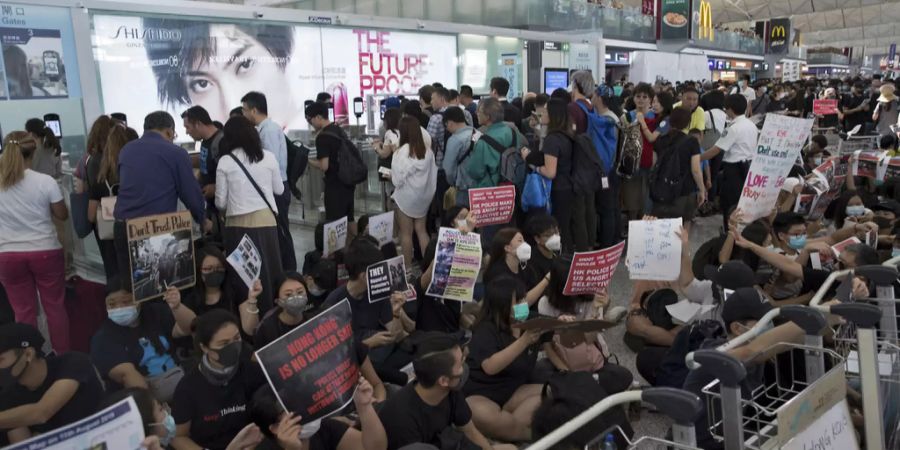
238	64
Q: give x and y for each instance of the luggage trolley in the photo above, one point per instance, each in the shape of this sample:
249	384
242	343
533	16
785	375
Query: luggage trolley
773	414
681	406
873	354
831	134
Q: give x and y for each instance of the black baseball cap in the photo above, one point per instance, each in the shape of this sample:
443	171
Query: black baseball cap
744	304
731	275
20	335
888	205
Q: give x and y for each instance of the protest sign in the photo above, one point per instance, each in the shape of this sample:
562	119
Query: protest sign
160	253
840	246
457	261
119	426
381	227
335	234
492	206
654	250
386	277
590	272
892	168
313	368
832	431
825	106
820	204
246	261
778	147
865	164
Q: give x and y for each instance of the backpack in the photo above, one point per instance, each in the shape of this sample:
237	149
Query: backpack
587	168
601	130
581	391
351	169
297	160
631	145
512	166
673	370
666	177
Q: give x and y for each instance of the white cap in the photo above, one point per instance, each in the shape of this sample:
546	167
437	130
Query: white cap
790	184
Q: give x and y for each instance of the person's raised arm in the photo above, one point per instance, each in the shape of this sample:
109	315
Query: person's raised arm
367	371
686	275
728	246
249	310
182	314
374	436
398	299
780	262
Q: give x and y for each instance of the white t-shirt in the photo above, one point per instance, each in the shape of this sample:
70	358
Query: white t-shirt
25	220
749	93
739	140
234	191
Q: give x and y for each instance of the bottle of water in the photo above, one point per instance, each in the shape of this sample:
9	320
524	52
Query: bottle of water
610	443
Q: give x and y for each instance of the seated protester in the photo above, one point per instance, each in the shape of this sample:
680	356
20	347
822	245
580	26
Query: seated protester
740	313
542	233
815	153
381	326
210	293
500	361
293	309
134	347
591	352
389	250
212	398
320	280
508	257
648	323
888	144
425	410
789	239
282	429
850	210
42	392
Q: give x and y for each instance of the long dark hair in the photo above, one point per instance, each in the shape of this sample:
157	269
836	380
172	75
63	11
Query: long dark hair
558	110
392	118
496	308
411	134
208	250
240	133
499	243
559	273
40	129
667	101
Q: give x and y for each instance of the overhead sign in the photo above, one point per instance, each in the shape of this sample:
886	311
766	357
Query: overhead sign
779	35
674	19
703	28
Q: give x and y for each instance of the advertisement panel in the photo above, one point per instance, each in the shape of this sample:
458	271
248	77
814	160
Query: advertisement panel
779	35
702	28
675	19
151	63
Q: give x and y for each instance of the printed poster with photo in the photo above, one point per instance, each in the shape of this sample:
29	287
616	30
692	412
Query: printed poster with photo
591	272
117	427
866	164
457	261
335	236
313	368
246	261
161	253
381	227
386	277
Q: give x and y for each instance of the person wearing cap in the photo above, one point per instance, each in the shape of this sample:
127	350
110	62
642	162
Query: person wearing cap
424	409
134	346
42	392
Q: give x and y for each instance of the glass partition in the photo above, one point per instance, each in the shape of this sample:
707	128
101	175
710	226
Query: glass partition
734	42
479	59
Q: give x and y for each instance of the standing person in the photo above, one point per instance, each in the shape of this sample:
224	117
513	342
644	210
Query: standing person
456	154
329	140
747	91
662	106
607	199
414	175
440	99
31	257
199	126
692	192
46	157
739	145
690	100
635	193
107	185
154	174
248	182
886	109
853	108
499	91
467	101
582	91
272	138
93	147
453	100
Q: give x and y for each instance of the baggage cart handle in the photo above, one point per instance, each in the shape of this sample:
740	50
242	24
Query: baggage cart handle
811	320
863	315
682	406
820	294
723	366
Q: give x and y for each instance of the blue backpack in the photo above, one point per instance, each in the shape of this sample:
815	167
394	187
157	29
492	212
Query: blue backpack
602	131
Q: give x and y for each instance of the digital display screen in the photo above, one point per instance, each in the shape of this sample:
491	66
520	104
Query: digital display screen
555	79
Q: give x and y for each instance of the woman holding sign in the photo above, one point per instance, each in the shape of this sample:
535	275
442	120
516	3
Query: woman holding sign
414	176
509	257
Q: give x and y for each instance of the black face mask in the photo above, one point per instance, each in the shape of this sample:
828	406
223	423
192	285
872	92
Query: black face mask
7	379
214	279
230	355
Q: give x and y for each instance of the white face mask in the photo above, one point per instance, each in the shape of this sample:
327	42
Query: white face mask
462	223
523	253
554	243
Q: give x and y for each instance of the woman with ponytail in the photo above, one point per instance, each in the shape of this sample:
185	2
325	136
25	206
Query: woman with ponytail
46	158
31	258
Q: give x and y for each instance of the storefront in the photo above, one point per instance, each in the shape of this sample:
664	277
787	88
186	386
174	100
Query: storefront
618	64
729	69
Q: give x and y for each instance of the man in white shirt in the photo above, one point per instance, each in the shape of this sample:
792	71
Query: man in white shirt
739	144
271	136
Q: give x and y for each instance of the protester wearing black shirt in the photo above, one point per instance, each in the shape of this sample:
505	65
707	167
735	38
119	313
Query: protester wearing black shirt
692	192
854	108
211	400
509	256
42	393
134	347
433	313
423	410
329	140
500	362
542	233
284	431
511	113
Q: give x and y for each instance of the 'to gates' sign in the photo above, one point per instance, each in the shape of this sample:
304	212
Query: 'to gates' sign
492	206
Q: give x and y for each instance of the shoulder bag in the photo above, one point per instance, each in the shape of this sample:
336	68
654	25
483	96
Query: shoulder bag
282	231
105	219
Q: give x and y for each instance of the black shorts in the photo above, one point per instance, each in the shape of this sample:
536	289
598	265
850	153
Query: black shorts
339	202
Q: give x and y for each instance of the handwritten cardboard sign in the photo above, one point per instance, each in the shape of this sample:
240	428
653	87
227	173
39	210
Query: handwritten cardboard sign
381	227
825	106
335	236
654	250
833	431
313	369
492	206
778	147
591	272
160	253
810	405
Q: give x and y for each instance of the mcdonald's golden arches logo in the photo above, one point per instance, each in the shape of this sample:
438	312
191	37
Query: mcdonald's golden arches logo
705	23
778	32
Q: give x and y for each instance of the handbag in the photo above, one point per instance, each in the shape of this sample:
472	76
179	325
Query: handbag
536	193
105	219
281	231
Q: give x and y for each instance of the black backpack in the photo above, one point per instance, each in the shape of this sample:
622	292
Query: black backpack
587	168
351	168
666	177
673	370
297	160
581	390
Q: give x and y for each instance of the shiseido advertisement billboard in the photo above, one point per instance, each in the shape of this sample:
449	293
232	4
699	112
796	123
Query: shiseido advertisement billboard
151	63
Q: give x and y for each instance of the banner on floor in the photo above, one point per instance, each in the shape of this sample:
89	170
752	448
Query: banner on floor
335	235
160	253
492	206
777	150
119	426
246	261
457	261
654	249
386	277
591	272
313	369
825	106
381	227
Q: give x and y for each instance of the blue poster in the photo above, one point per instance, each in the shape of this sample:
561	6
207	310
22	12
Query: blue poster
38	53
509	69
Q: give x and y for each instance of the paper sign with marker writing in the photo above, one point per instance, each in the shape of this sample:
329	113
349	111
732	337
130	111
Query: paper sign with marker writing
335	235
591	272
381	227
493	206
833	431
811	404
654	249
778	147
